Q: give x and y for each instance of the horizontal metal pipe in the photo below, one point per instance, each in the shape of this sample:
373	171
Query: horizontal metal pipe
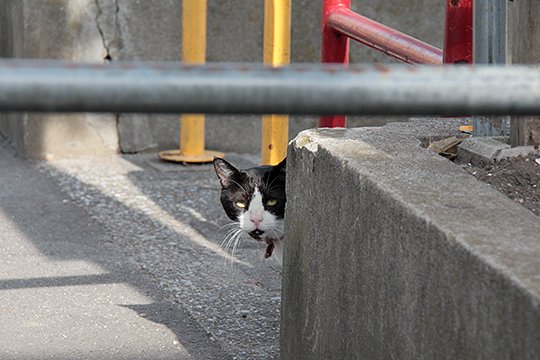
254	89
383	38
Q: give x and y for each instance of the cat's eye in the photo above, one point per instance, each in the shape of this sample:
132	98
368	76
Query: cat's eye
240	204
271	202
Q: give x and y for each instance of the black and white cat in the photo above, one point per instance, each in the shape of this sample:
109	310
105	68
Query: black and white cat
255	200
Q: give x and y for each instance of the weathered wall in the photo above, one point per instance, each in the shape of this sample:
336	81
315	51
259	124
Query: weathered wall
92	30
11	30
56	30
524	39
393	252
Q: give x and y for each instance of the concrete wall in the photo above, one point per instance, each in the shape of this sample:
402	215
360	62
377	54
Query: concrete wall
394	252
92	30
57	30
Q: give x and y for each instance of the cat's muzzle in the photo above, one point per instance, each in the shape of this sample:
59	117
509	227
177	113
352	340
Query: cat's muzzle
256	234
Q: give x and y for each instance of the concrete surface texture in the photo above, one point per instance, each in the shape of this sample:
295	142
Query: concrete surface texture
56	30
484	150
111	258
96	30
394	252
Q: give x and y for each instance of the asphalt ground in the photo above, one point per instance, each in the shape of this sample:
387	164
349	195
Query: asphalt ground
120	258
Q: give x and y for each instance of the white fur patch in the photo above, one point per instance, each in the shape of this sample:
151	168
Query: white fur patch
278	251
256	217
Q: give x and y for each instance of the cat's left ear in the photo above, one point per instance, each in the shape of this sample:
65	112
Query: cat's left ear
225	171
281	167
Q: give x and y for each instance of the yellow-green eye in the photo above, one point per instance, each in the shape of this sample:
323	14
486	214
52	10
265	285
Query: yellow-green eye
240	204
271	202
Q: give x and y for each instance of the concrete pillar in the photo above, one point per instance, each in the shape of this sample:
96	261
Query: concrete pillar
393	252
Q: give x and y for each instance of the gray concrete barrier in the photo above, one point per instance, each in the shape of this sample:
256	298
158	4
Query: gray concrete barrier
394	252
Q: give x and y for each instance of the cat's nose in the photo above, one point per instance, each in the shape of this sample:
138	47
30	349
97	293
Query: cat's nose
256	221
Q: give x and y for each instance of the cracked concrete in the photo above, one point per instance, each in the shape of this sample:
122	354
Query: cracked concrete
108	26
59	30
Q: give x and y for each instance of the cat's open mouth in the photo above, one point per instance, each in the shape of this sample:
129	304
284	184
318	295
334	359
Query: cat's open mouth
256	234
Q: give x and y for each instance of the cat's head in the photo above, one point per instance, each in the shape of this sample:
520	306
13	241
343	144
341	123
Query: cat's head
254	197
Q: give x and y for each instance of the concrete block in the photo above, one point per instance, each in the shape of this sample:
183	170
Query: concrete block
55	136
478	150
483	150
394	252
517	151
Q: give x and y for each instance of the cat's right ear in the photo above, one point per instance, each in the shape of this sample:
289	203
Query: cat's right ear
225	171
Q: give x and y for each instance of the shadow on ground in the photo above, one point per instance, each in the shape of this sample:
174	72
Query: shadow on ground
152	230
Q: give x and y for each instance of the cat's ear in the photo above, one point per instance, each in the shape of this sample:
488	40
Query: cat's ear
225	171
281	166
279	169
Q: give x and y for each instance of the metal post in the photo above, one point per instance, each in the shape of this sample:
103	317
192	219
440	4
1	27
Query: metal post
458	34
490	39
193	52
277	30
334	49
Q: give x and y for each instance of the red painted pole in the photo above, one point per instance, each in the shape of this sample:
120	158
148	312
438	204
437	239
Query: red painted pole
380	37
335	49
458	35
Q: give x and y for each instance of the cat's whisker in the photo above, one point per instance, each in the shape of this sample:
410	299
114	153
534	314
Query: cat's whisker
227	225
229	233
236	227
233	236
235	246
234	241
269	186
228	228
230	236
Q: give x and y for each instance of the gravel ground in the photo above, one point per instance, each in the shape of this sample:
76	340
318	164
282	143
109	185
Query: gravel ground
517	178
166	219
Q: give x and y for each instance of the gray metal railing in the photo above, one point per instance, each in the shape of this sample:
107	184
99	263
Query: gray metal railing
48	86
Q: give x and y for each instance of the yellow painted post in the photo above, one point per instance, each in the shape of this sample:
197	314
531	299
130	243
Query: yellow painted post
277	45
193	52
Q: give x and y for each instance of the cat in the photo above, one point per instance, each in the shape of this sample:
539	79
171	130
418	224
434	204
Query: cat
255	200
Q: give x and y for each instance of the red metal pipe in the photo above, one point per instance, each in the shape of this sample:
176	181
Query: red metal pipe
458	35
335	49
383	38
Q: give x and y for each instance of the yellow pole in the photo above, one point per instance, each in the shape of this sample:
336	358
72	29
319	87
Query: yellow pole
277	30
193	52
